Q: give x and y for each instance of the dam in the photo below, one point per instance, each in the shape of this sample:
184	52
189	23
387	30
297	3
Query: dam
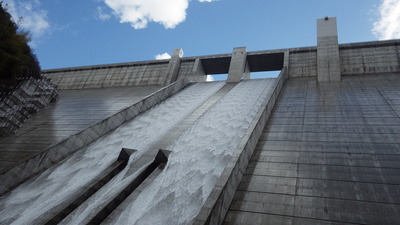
153	143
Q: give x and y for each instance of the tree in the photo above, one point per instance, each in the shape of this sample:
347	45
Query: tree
17	61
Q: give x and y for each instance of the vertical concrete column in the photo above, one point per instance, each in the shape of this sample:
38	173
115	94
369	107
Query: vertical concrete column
238	64
172	71
285	68
198	72
247	73
328	50
286	59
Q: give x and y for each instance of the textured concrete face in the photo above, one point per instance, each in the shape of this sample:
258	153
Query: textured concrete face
105	76
303	63
238	65
370	57
75	111
328	155
198	73
328	50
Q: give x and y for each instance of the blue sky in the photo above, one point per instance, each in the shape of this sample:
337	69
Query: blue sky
90	32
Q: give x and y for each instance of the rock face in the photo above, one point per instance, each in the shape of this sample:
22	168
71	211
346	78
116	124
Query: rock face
27	98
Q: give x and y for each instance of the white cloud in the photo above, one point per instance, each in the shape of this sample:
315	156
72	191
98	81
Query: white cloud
388	24
163	56
210	78
101	15
29	17
207	0
139	13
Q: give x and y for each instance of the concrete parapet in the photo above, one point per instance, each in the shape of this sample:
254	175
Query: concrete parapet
370	57
110	75
355	58
55	153
218	202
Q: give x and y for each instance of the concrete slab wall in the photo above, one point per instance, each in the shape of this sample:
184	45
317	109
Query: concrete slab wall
109	75
329	155
186	69
356	58
372	57
303	63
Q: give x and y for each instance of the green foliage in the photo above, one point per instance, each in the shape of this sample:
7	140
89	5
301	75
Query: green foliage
17	61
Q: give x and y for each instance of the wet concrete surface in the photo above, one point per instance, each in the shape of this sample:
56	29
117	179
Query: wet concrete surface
75	111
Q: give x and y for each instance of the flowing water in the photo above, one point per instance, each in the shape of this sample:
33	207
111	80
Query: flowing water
40	195
198	159
176	196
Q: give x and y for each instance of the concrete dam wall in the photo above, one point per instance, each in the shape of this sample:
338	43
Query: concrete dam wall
152	143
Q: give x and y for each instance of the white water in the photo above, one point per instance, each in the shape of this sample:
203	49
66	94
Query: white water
178	193
34	198
198	159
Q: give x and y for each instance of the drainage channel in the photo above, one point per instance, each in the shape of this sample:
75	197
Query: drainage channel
175	133
159	161
96	184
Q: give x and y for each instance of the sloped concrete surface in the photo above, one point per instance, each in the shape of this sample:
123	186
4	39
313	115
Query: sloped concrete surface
330	154
217	203
75	112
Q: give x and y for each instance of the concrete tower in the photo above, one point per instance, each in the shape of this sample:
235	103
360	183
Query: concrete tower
328	50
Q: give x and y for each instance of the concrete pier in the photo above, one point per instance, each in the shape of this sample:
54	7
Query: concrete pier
328	50
238	65
173	66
